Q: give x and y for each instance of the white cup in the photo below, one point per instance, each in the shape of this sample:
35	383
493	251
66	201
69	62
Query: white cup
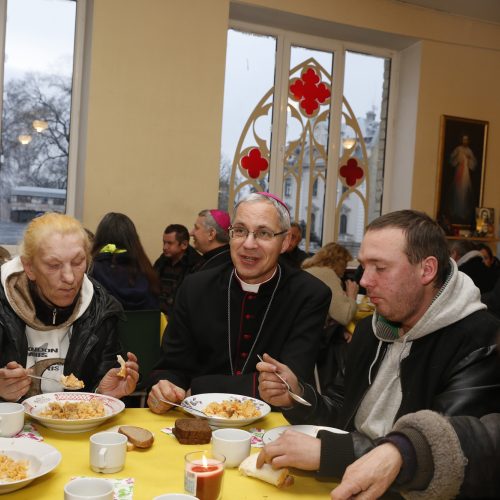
88	488
11	419
175	496
107	452
234	444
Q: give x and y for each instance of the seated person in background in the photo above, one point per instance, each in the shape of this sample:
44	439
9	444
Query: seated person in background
470	261
490	261
492	299
224	317
429	345
178	259
293	255
329	265
4	255
54	319
211	238
432	457
120	264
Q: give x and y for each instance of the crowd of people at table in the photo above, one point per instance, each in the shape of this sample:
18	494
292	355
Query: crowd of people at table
416	387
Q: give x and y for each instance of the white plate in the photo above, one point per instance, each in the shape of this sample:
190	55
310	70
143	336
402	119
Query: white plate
35	405
41	456
201	401
310	430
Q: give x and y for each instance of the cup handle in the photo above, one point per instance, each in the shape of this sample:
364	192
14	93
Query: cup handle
102	457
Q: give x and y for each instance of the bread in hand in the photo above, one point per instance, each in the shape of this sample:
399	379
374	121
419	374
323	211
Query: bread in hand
122	372
138	436
277	477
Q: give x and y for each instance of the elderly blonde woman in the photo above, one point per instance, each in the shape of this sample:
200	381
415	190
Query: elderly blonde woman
329	265
54	320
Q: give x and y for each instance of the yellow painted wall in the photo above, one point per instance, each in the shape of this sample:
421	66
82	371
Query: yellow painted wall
155	112
156	92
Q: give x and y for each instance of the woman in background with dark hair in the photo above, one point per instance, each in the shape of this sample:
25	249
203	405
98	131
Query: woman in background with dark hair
121	265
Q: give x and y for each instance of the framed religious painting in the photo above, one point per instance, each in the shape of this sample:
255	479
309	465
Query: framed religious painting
460	173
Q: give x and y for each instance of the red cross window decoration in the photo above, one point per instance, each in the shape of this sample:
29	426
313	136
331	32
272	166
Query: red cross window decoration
309	91
254	163
351	172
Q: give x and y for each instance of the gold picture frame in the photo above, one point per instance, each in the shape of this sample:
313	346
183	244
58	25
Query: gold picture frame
460	173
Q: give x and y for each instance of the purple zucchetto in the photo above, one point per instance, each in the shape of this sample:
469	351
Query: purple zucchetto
222	218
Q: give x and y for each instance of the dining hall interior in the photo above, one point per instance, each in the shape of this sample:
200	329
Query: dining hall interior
177	106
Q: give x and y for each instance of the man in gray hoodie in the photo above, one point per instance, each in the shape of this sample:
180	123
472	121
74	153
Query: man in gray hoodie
430	345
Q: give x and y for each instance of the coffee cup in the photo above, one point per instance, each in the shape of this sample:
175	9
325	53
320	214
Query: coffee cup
88	488
11	419
107	452
234	444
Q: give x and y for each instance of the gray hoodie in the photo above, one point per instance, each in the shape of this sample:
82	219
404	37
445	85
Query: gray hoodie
457	298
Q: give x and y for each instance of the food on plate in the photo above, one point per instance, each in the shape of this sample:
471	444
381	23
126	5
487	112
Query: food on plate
71	382
122	372
138	436
74	410
233	409
277	477
192	431
13	470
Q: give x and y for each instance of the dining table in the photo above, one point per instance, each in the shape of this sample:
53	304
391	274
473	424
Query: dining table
160	469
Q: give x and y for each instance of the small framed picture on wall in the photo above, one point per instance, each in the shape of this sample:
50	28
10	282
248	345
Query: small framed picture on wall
485	221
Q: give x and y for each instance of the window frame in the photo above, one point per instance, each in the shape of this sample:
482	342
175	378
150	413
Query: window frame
284	40
80	64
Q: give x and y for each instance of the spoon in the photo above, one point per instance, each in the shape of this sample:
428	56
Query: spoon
51	379
294	396
186	407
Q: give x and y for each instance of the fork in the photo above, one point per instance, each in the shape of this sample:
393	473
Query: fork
186	407
294	396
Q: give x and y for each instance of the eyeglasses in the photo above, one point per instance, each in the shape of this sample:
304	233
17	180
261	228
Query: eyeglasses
260	234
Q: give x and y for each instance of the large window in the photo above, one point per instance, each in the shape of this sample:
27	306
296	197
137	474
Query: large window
38	63
293	127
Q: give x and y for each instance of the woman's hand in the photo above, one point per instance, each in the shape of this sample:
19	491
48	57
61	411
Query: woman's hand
118	387
271	388
351	289
164	390
14	381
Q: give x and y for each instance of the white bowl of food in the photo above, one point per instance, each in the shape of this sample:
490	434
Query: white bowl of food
72	412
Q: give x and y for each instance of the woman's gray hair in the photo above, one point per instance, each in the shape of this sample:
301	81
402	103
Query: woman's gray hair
283	213
210	223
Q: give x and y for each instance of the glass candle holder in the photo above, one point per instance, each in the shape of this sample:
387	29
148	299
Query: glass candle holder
203	474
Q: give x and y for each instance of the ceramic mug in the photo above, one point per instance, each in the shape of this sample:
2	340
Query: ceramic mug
234	444
88	488
107	452
11	419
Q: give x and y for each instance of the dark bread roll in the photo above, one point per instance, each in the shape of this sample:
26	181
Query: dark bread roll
192	431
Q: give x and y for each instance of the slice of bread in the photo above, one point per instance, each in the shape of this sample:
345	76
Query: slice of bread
138	436
192	431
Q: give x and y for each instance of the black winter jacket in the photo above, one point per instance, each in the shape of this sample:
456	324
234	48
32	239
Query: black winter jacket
94	342
453	371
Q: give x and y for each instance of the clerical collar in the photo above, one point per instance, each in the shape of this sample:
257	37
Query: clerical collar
48	313
253	287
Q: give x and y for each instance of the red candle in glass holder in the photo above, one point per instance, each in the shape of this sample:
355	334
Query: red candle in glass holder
203	476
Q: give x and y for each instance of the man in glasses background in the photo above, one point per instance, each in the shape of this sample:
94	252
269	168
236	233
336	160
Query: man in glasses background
224	317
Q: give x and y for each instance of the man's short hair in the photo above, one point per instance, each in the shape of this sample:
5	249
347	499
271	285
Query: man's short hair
483	246
424	238
221	235
283	214
181	232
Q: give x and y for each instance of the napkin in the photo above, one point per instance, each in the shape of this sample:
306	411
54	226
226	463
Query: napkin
123	488
29	431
